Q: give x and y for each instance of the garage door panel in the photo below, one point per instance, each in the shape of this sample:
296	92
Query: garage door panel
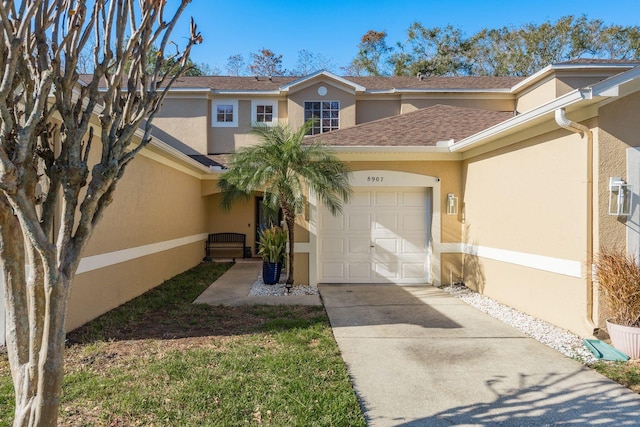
359	270
386	199
386	272
414	199
385	221
333	223
360	199
413	271
413	223
330	247
333	270
380	238
358	222
387	246
359	247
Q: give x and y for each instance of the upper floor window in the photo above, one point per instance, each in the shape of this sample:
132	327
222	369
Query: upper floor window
264	111
326	115
225	113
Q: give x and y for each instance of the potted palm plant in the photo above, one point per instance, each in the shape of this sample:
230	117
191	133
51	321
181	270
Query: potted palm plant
271	248
618	275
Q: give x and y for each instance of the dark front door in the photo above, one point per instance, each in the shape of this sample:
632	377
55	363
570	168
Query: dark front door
265	218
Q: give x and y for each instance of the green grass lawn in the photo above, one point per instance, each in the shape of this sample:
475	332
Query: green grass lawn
160	360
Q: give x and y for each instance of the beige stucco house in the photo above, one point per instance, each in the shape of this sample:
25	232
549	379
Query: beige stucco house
503	183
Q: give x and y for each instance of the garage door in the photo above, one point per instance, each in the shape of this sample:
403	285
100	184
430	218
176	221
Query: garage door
381	237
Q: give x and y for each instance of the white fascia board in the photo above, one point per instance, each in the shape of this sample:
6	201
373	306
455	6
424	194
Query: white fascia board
324	73
612	85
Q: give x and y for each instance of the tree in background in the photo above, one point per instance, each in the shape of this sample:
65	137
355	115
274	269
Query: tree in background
434	51
235	65
266	63
372	55
506	51
282	167
309	62
52	195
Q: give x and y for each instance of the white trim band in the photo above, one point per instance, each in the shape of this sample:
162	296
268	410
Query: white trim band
97	262
562	266
566	267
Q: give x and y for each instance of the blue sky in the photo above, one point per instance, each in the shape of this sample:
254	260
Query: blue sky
333	29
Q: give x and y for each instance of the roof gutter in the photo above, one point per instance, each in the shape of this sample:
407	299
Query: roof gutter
585	132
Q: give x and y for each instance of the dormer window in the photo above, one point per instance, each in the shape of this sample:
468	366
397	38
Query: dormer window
264	111
326	115
225	113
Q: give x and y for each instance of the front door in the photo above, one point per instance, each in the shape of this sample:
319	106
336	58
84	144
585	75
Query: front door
265	218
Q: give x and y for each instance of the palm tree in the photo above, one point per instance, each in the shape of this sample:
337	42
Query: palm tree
283	167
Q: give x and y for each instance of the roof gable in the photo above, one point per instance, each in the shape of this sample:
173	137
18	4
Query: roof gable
324	76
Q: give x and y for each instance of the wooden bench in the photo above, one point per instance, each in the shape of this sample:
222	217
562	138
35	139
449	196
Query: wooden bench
226	241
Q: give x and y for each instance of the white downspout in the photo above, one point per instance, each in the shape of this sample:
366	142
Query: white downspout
564	122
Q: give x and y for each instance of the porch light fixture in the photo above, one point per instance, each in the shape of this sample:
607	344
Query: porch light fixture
452	204
619	197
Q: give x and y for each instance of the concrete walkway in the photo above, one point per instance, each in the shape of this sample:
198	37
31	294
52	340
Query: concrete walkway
420	357
232	288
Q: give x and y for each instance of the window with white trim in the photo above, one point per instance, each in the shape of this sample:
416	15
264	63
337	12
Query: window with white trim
225	113
326	115
264	111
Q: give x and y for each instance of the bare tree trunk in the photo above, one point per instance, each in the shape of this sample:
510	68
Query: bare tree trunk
45	160
37	402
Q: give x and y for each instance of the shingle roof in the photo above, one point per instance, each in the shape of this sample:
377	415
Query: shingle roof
371	83
423	127
212	160
436	82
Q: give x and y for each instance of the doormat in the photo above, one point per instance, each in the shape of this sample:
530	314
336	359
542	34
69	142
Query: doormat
604	351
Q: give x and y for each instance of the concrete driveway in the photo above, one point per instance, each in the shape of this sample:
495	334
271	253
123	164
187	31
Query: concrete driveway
420	357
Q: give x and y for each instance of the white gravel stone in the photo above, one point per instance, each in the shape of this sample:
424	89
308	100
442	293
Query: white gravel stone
279	289
565	342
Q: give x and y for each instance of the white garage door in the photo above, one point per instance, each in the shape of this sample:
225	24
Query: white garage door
381	237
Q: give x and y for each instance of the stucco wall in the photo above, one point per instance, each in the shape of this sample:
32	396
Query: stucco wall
295	106
410	104
229	139
369	110
526	210
183	124
539	94
153	205
619	130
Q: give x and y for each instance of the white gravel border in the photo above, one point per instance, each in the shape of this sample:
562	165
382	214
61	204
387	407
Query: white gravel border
259	289
565	342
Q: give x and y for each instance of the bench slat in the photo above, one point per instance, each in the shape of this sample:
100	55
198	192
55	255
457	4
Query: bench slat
225	240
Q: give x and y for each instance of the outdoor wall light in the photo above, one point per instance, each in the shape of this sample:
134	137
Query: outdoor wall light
619	197
452	204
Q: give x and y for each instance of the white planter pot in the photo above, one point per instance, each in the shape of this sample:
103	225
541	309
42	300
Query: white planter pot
625	338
